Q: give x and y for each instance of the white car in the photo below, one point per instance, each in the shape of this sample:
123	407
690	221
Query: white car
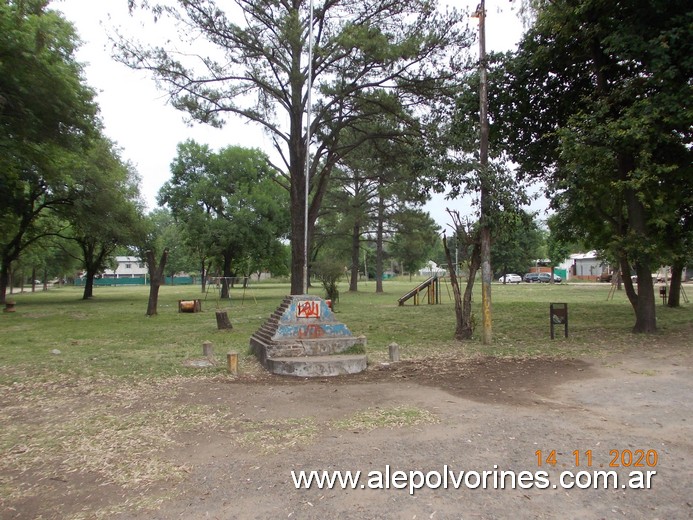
656	278
510	278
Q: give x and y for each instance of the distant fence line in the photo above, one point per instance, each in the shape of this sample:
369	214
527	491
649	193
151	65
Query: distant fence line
170	280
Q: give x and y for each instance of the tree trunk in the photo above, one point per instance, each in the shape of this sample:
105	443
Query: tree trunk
463	304
155	278
203	275
460	332
223	322
379	246
645	317
474	265
645	314
355	253
298	199
296	251
642	301
89	284
4	280
226	275
628	282
675	285
93	261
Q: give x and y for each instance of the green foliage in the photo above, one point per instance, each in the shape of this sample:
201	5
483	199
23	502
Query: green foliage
595	101
416	239
558	246
228	206
107	213
361	49
47	115
517	243
329	273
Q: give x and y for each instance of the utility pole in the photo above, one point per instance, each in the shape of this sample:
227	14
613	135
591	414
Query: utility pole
485	202
309	108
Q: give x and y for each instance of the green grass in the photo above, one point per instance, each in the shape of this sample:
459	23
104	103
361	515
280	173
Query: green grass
111	336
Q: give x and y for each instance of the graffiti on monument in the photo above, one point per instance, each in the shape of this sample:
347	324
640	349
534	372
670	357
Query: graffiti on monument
308	309
310	332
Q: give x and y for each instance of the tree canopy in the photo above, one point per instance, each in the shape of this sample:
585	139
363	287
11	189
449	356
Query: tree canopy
47	116
228	202
596	101
257	69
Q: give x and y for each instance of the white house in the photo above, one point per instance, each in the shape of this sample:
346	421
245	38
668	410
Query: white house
128	267
432	269
587	266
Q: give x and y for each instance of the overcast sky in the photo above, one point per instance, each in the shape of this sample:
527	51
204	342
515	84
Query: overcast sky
139	119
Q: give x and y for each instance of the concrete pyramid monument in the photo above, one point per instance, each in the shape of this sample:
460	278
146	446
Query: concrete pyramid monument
303	338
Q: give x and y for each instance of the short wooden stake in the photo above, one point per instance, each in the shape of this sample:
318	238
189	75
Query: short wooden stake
208	349
393	349
232	362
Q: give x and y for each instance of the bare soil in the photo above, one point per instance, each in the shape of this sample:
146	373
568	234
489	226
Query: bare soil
475	414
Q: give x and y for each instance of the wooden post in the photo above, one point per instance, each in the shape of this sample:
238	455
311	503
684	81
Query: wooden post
393	349
223	321
208	349
232	363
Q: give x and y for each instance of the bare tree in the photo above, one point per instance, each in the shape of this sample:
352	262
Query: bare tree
469	239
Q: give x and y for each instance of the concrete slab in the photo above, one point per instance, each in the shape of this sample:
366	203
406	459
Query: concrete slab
318	366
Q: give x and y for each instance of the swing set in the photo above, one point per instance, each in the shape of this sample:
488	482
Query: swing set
218	283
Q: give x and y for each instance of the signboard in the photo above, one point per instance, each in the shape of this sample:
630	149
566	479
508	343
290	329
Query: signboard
558	314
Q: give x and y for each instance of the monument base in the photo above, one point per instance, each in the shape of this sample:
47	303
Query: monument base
303	338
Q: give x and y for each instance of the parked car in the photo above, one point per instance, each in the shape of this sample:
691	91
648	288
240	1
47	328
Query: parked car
510	278
546	278
656	278
605	277
531	277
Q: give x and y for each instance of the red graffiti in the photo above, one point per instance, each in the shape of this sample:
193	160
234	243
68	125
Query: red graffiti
311	332
308	309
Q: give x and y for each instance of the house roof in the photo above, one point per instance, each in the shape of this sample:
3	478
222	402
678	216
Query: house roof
590	255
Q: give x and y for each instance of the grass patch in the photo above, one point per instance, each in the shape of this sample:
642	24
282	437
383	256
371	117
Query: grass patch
272	436
356	349
61	428
397	417
110	336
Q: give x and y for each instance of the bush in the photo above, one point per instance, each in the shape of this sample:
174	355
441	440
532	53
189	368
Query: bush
329	273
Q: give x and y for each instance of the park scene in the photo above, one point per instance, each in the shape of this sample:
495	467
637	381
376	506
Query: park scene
447	278
106	414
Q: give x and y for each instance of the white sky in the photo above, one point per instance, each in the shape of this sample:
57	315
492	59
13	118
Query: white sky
138	118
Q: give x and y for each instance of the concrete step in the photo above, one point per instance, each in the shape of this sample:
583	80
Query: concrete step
265	333
318	366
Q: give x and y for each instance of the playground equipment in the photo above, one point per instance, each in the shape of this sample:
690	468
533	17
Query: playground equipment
217	282
432	287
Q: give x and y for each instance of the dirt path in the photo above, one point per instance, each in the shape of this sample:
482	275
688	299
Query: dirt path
471	415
